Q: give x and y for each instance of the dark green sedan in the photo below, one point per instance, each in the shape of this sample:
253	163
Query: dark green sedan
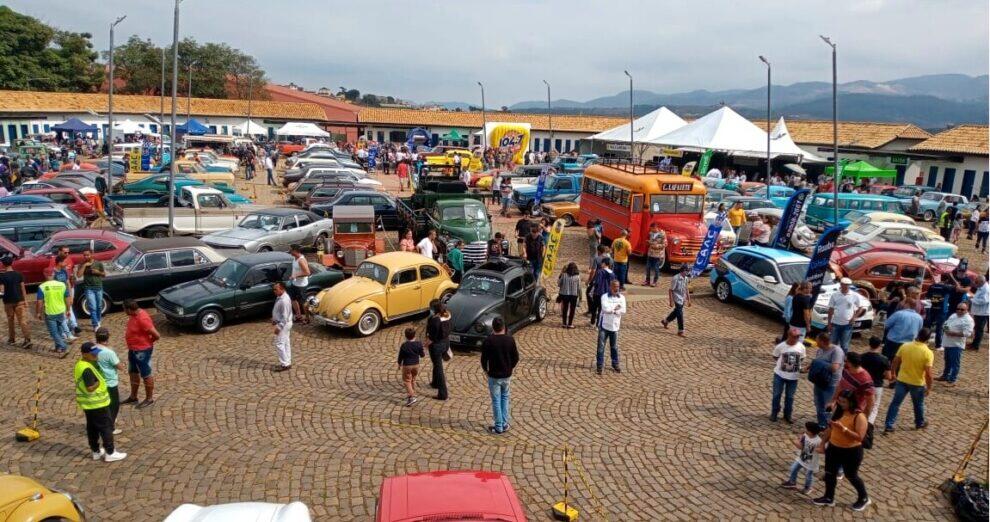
240	287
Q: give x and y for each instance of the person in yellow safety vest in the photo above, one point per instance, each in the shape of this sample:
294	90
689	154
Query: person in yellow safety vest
54	298
93	398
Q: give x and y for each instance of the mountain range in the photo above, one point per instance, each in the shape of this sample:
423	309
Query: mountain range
931	101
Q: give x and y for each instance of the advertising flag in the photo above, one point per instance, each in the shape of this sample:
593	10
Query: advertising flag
552	248
818	266
789	219
703	163
541	184
512	138
711	238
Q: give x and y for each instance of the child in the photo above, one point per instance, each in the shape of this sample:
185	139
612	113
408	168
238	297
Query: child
809	447
957	227
409	354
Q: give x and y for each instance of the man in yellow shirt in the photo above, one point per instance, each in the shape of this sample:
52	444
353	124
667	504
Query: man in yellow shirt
620	255
913	367
737	216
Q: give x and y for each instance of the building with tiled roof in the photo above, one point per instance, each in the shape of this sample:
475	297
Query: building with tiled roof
852	134
341	116
962	139
956	160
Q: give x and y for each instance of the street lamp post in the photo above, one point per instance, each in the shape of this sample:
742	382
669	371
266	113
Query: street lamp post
161	113
247	125
835	134
549	111
189	96
109	136
632	157
484	121
764	60
175	94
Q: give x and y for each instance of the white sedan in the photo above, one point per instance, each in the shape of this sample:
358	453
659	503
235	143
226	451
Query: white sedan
240	512
934	245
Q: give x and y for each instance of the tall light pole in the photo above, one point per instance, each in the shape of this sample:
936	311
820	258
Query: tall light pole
835	134
484	121
632	157
549	111
109	136
764	60
247	126
189	96
174	144
161	113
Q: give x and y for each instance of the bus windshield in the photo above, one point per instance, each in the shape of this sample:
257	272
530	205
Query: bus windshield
670	204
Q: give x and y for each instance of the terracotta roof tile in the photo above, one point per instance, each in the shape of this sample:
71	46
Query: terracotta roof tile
861	134
561	122
962	139
67	102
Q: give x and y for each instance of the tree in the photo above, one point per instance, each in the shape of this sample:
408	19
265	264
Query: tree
352	95
371	100
34	56
138	62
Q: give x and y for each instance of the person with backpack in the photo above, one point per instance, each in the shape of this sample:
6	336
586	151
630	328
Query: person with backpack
845	438
825	372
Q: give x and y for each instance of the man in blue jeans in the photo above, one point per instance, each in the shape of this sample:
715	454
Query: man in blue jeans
613	307
92	272
54	299
835	358
844	309
499	356
913	367
790	356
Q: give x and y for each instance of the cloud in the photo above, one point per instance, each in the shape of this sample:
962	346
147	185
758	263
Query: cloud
436	50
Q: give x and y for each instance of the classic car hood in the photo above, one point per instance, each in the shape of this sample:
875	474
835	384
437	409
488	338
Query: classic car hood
190	292
466	307
468	231
236	235
332	300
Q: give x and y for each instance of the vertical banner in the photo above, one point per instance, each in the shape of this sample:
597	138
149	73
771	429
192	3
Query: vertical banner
711	238
552	248
541	184
819	263
703	163
372	155
789	219
134	159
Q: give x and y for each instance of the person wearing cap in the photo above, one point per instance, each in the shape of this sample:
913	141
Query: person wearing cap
844	309
962	283
678	297
109	364
93	399
54	299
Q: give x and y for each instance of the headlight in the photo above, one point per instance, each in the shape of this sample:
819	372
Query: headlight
480	327
311	301
340	253
675	241
179	311
346	313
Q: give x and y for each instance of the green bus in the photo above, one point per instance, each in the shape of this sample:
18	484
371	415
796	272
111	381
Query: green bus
820	210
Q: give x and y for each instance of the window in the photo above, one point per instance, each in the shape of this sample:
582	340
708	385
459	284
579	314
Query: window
667	204
567	145
289	223
102	246
742	261
428	272
791	273
404	277
854	264
911	272
303	219
75	246
820	201
883	271
210	201
358	200
61	197
155	261
563	184
379	201
182	258
528	279
515	285
762	268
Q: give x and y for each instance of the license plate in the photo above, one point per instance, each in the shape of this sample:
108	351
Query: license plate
455	338
857	324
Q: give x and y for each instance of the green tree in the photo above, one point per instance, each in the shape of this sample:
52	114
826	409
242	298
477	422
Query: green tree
34	56
138	62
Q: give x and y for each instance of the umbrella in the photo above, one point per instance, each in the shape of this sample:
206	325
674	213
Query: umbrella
192	127
794	167
74	125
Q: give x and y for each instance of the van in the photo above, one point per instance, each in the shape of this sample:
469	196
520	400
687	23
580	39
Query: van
820	210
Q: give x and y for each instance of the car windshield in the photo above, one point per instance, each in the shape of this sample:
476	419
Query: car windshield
795	273
905	192
478	284
352	228
372	271
856	249
931	196
126	258
865	229
466	213
261	221
229	273
665	204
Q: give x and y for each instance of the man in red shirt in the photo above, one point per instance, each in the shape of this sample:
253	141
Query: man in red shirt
140	337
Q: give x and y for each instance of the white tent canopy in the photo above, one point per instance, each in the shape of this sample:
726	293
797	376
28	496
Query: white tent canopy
781	144
295	128
249	127
128	127
722	130
646	128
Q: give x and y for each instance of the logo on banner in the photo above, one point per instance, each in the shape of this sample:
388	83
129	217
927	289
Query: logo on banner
789	219
552	248
818	266
711	238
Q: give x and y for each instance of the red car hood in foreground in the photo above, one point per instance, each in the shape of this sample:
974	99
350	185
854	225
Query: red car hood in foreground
452	495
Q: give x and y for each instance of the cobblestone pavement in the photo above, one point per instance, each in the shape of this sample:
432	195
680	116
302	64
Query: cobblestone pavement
682	433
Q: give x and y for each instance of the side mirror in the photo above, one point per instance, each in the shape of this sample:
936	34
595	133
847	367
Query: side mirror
770	279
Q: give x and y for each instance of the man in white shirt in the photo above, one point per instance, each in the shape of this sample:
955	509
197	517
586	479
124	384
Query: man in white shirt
613	307
981	308
790	356
457	164
958	327
714	173
270	169
843	309
282	321
426	246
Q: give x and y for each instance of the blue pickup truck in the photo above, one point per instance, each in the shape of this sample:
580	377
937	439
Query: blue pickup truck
558	187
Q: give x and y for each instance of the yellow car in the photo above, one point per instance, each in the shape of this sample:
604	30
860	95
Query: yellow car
22	498
445	160
384	288
566	210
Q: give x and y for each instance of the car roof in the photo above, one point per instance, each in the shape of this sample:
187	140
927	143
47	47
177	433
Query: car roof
95	233
280	211
747	198
396	260
774	254
351	212
263	257
166	243
34	222
850	195
467	495
892	257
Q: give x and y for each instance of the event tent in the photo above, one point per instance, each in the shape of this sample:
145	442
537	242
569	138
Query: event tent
192	127
861	169
249	127
722	130
781	144
645	128
128	127
74	125
295	128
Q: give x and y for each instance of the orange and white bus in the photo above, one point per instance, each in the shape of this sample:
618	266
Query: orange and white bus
631	197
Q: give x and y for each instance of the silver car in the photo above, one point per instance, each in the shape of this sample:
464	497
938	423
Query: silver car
273	229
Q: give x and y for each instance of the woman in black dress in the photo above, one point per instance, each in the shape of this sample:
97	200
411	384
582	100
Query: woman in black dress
438	334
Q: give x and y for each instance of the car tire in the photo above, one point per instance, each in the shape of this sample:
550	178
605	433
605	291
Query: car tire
84	306
445	296
155	232
929	215
568	220
265	249
209	321
369	323
542	306
320	240
723	290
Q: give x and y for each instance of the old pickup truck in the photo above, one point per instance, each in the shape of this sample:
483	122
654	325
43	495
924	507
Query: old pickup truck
198	211
157	186
442	203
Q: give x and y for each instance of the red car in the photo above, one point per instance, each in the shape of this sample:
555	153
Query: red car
68	197
105	244
449	495
842	254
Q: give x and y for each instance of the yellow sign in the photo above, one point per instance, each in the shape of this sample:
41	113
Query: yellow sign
511	138
134	158
688	168
672	153
552	248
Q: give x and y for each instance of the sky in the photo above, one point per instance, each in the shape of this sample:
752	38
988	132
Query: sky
434	50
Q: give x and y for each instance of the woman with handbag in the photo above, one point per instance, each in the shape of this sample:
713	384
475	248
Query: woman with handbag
569	294
437	336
